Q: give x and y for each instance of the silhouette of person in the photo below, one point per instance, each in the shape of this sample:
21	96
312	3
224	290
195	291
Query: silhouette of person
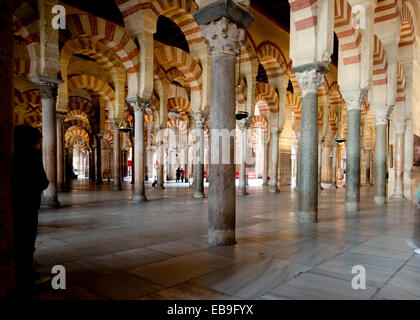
29	180
178	175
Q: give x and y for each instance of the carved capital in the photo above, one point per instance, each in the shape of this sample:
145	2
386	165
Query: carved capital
199	119
354	98
224	37
244	124
48	87
381	115
310	77
61	116
139	104
399	126
274	132
116	123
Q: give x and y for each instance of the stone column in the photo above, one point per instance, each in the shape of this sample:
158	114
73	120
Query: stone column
48	89
117	154
244	125
274	160
399	159
139	106
133	152
199	122
368	167
92	175
223	24
7	265
354	100
161	159
334	167
186	169
320	141
60	152
99	138
380	158
266	162
310	77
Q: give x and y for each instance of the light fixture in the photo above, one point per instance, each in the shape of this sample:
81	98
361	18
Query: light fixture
240	115
125	127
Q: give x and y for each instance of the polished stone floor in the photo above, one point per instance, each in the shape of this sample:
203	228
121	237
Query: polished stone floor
158	250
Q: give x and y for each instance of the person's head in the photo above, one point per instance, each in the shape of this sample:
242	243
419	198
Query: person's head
27	137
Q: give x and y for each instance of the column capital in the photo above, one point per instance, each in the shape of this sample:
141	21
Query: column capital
244	124
381	115
47	86
139	104
399	126
274	131
61	116
116	123
354	98
199	119
310	76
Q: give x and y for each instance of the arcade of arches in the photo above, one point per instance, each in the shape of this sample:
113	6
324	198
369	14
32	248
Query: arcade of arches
320	96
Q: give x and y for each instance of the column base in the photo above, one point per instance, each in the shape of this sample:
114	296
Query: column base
199	195
352	206
398	196
242	192
160	187
50	202
221	237
333	187
274	189
139	199
380	200
116	188
308	217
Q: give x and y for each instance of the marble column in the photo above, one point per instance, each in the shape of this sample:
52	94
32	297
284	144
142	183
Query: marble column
60	152
354	100
244	125
320	142
266	163
48	89
368	167
186	169
133	152
274	160
92	171
161	160
334	167
139	106
223	25
310	77
380	158
117	154
99	138
399	126
199	122
7	265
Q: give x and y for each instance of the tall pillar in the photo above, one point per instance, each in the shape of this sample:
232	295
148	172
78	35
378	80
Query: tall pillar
266	162
7	266
223	24
161	159
274	160
99	138
244	125
368	166
199	122
354	100
48	89
139	106
186	169
92	165
310	77
408	159
320	141
334	167
399	159
380	158
117	155
60	152
133	152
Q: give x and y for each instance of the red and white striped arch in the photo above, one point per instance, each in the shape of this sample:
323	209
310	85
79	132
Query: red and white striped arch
272	59
82	104
248	52
380	64
182	105
94	84
76	131
109	34
305	12
22	67
265	92
260	122
408	34
31	97
401	85
175	57
179	11
78	123
348	37
108	136
77	114
386	10
181	125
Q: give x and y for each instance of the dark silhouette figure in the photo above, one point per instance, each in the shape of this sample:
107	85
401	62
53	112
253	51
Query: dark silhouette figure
182	175
178	175
29	180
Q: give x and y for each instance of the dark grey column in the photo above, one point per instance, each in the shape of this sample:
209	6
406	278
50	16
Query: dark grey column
139	106
334	167
99	158
244	125
117	154
60	152
310	77
48	89
354	100
380	161
275	160
161	159
223	24
199	122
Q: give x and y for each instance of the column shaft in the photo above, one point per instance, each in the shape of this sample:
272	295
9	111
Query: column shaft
117	158
399	159
199	120
334	167
60	153
380	164
99	159
274	160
